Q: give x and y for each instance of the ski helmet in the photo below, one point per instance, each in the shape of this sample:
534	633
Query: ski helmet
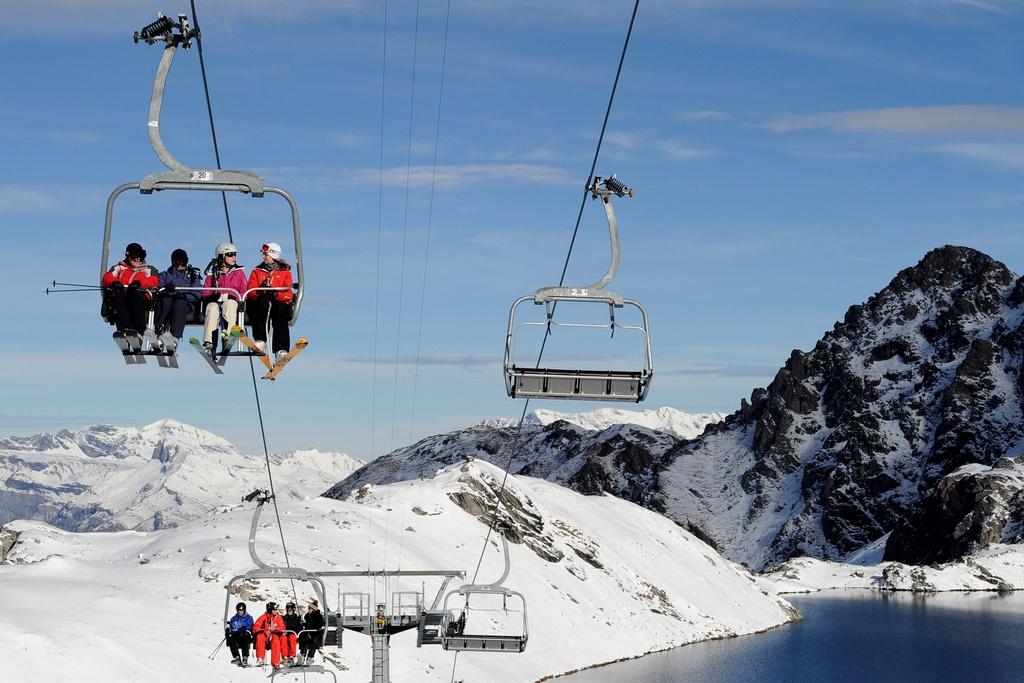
271	606
290	605
240	606
225	248
134	250
179	255
272	248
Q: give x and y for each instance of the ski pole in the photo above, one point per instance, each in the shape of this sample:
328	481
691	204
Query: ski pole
219	646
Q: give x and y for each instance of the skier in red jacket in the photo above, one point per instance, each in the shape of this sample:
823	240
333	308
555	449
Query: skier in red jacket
268	629
273	272
129	285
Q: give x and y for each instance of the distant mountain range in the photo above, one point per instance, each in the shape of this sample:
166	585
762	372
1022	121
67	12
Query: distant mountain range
103	478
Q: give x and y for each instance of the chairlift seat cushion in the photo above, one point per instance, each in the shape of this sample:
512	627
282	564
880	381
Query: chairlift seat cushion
490	643
598	385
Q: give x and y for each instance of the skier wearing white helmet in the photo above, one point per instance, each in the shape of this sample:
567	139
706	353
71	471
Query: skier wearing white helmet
275	304
223	290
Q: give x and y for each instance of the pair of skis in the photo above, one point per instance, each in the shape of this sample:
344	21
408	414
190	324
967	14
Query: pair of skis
131	348
273	369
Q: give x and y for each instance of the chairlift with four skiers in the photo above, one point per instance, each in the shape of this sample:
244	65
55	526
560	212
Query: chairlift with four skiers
150	309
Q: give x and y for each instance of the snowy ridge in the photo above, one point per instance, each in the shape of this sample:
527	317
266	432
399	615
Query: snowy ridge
604	579
108	478
602	451
664	419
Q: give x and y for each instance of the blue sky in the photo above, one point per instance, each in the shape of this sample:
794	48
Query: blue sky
789	158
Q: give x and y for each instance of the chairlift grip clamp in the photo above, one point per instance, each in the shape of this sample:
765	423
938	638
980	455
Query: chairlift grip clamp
605	187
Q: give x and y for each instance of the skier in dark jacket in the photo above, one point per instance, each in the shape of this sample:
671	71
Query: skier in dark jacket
293	624
313	623
239	635
175	304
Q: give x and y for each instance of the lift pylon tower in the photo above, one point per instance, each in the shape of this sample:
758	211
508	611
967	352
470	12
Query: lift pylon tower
405	610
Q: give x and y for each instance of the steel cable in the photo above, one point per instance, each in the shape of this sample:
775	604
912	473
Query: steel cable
252	367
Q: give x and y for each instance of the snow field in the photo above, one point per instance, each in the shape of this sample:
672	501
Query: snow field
134	606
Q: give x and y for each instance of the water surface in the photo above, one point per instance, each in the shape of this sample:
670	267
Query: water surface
854	636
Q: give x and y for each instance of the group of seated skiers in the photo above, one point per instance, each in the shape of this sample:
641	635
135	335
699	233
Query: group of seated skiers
132	285
290	638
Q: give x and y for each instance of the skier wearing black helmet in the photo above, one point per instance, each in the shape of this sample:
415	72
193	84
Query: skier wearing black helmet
175	303
239	635
289	642
129	285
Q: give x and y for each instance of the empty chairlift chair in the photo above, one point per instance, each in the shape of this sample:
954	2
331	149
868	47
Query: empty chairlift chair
575	383
472	627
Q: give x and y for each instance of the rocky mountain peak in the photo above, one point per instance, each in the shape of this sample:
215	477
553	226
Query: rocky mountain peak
841	447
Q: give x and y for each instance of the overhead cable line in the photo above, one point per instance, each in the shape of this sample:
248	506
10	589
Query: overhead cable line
517	440
376	303
426	248
209	112
252	368
401	279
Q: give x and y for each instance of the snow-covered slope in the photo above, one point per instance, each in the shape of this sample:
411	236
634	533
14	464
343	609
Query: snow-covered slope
601	451
603	578
106	478
998	567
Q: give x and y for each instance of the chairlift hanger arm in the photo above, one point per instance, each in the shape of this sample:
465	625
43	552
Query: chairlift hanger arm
604	188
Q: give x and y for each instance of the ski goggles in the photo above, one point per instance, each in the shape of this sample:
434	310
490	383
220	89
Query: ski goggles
230	253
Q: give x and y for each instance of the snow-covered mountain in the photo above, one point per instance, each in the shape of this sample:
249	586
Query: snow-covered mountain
109	478
604	579
904	423
859	437
603	451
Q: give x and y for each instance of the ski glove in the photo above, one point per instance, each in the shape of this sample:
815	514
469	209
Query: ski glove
116	286
170	288
135	285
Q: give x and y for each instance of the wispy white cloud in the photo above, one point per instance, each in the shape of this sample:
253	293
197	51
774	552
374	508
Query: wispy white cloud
723	370
60	199
704	115
66	137
460	175
14	199
682	152
914	120
1000	154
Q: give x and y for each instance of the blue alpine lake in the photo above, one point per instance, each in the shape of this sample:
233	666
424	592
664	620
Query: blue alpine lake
854	636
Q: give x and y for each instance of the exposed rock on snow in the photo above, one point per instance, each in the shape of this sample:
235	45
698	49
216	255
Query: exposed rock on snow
967	510
109	478
613	580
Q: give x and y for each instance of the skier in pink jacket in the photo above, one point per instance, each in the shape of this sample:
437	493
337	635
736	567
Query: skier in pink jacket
223	289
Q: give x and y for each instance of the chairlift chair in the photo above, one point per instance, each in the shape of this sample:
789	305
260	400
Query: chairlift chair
456	620
271	572
574	383
180	176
